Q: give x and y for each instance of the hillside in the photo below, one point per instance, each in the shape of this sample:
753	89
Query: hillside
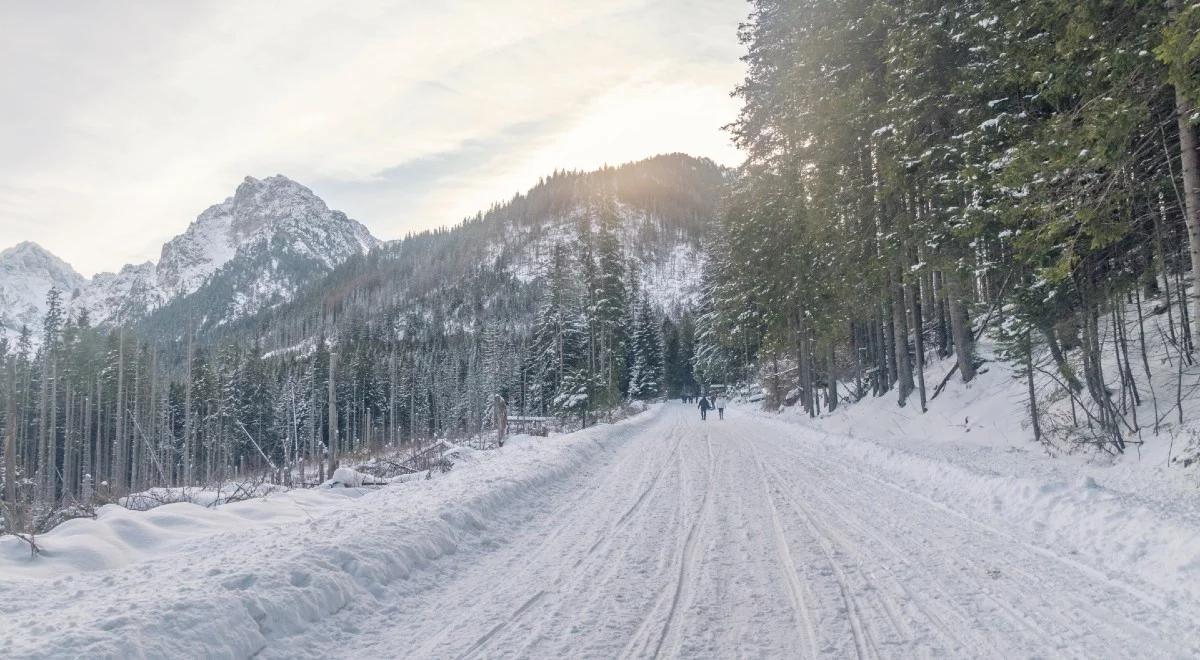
492	264
569	300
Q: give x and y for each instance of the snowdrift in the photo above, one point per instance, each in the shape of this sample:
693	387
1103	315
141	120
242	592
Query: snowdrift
183	580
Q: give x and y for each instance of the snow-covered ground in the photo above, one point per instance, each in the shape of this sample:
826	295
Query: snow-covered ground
661	535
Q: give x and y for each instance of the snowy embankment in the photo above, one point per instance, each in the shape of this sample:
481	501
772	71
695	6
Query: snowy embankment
972	455
182	580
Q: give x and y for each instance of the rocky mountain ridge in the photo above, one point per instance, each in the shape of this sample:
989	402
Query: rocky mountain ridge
272	236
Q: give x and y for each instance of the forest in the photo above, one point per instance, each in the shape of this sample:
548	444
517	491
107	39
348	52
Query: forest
404	346
917	174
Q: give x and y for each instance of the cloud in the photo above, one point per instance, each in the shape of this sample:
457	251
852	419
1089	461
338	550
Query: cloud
134	117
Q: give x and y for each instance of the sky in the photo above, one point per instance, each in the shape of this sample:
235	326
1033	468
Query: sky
122	121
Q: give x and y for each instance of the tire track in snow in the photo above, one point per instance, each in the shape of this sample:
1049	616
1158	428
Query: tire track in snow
864	644
687	560
561	535
1141	594
922	606
1036	590
796	589
642	635
1024	606
567	583
583	495
1011	615
502	625
641	499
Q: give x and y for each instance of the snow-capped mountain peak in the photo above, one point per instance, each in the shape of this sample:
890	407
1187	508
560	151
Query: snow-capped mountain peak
27	272
261	211
29	257
270	237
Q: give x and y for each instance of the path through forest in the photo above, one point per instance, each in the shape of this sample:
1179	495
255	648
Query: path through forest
660	536
736	539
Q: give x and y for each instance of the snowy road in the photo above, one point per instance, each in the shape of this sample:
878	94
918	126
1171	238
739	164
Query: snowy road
734	539
674	538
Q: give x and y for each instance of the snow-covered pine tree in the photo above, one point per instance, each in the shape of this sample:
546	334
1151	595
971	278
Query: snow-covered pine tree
610	315
646	375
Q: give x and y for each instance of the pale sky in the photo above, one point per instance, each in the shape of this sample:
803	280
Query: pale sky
122	121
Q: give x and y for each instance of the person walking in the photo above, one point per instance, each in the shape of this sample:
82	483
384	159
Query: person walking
719	403
703	405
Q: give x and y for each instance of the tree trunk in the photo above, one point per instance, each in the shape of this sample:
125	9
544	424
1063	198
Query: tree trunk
333	444
85	460
10	464
187	416
1033	410
118	468
1190	160
68	464
887	344
960	329
830	378
918	323
939	315
1162	262
43	476
52	435
904	374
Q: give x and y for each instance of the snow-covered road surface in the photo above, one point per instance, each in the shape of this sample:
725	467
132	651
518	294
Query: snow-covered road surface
671	538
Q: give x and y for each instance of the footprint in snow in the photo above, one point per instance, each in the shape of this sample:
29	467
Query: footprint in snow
301	579
238	583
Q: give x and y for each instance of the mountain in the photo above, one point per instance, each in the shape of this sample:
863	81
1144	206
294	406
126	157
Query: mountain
111	298
256	248
268	260
27	272
490	268
569	300
274	216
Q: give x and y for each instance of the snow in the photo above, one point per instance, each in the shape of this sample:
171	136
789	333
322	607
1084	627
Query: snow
756	536
260	214
303	348
345	477
112	297
670	270
675	282
1123	519
27	272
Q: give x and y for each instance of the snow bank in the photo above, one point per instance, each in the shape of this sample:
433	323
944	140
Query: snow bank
120	536
185	581
1112	531
345	477
970	455
156	497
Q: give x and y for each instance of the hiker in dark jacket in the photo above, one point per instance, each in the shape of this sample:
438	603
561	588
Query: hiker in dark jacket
704	405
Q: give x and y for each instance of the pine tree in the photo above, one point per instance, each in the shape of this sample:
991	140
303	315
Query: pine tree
646	375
